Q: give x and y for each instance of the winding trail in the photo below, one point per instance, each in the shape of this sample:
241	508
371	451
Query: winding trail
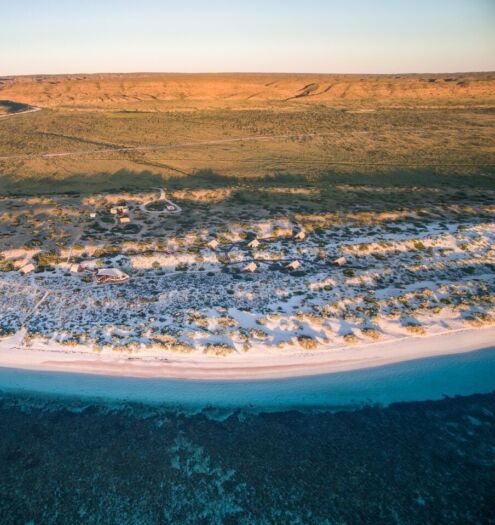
251	138
176	208
74	241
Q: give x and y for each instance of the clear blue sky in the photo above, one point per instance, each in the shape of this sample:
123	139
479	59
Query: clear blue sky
349	36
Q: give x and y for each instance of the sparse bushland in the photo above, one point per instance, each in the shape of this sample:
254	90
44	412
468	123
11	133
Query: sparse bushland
307	342
372	333
218	349
350	338
314	139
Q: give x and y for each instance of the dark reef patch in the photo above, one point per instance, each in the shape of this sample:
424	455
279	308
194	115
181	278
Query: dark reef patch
424	462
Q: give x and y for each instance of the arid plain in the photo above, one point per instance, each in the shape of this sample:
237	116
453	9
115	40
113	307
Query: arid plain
254	125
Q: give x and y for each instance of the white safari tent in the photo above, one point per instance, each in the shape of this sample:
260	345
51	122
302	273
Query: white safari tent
119	210
113	275
254	243
294	265
76	268
27	268
251	267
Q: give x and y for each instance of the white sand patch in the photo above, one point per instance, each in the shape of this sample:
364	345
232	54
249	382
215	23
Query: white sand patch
263	363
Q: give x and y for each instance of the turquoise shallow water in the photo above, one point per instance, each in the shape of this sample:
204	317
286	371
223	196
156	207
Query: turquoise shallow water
417	380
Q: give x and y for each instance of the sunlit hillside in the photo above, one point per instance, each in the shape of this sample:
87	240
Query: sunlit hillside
157	92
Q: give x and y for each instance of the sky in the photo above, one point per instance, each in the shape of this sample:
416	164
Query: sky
306	36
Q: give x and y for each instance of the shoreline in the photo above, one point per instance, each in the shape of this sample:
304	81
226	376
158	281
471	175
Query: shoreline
246	367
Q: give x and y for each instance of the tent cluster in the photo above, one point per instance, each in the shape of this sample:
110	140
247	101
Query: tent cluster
213	244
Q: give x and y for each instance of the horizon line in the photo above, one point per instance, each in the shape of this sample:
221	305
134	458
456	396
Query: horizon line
410	73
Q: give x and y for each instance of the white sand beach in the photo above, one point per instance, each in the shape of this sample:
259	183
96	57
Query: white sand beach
249	366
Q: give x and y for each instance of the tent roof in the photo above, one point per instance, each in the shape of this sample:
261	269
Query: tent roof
111	272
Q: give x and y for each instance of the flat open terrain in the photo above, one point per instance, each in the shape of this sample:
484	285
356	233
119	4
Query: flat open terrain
100	132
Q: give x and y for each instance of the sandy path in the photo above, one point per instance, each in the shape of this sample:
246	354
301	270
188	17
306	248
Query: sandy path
250	138
162	197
